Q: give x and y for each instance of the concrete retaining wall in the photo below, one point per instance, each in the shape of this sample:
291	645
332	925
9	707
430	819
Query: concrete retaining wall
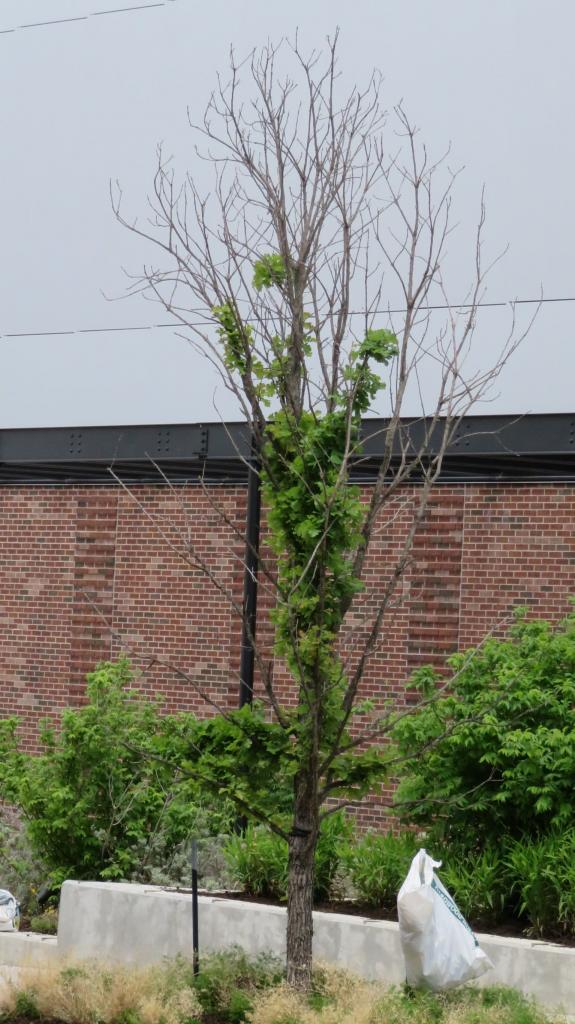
142	924
25	949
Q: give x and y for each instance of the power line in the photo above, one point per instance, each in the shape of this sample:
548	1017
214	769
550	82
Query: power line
86	17
205	323
91	330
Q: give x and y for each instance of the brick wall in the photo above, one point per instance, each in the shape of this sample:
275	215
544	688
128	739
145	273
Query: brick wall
87	570
37	584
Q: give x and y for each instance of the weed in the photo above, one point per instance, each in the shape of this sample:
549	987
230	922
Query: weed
26	1006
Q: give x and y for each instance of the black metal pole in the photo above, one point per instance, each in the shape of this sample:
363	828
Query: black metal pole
195	931
250	598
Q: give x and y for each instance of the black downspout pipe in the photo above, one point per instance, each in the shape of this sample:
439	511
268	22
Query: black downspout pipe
250	597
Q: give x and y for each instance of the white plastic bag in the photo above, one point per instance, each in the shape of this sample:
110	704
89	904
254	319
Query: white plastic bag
9	912
439	948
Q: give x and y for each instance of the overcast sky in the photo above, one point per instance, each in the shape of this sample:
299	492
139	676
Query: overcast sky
86	101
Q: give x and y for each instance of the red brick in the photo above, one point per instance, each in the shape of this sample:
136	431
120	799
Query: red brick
85	574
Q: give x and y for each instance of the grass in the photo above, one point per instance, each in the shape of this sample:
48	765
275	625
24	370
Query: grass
89	994
233	988
346	999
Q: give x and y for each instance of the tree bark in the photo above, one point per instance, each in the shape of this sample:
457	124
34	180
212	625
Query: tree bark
299	909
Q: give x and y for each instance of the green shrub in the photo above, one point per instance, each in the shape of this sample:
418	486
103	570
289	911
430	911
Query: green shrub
496	757
98	801
562	867
377	866
532	882
258	859
161	863
497	754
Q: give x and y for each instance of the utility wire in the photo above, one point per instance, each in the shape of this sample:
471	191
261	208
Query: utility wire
205	322
85	17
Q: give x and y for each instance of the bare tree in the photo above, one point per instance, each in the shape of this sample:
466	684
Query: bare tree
277	276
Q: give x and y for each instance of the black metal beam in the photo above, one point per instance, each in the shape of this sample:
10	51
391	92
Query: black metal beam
532	447
507	436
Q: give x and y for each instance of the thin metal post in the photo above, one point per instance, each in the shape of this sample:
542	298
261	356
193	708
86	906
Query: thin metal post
250	598
195	931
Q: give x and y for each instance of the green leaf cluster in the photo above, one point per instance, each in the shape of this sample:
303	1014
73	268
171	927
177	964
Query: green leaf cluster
379	346
236	337
268	271
241	756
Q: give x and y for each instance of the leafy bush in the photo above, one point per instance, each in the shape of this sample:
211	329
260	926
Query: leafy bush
529	865
531	879
258	859
496	756
377	865
497	753
98	801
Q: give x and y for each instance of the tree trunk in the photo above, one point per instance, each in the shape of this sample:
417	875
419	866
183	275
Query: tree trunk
299	908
